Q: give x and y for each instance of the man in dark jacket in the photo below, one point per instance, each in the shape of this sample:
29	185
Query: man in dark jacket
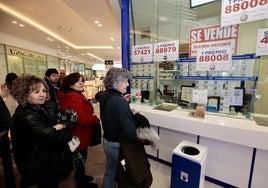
52	79
5	151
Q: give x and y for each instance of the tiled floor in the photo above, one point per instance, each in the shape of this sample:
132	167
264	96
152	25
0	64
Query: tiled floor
96	166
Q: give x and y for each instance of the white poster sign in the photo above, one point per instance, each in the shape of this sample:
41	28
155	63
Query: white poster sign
213	37
262	42
142	53
241	11
214	59
166	51
200	96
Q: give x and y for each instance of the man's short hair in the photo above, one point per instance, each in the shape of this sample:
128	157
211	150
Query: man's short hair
51	71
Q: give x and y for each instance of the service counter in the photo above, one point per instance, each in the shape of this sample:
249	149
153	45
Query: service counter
237	148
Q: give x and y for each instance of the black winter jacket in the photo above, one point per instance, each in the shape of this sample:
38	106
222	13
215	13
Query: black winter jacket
5	119
116	117
39	148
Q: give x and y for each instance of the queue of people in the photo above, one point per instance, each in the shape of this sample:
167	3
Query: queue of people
42	144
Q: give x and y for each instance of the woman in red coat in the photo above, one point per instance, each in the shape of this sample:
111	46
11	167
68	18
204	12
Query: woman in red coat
70	96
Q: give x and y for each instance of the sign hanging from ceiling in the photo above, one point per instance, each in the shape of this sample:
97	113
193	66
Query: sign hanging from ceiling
213	37
108	64
242	11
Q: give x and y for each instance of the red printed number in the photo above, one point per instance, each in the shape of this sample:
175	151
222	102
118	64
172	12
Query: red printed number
264	40
244	5
165	49
142	52
207	58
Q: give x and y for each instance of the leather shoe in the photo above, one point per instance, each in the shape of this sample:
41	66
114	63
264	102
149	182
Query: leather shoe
88	178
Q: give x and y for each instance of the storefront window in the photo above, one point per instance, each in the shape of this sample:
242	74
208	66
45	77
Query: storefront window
15	64
156	21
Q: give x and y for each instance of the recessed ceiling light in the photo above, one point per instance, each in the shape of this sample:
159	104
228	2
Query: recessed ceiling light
21	25
97	22
14	22
50	39
99	25
112	39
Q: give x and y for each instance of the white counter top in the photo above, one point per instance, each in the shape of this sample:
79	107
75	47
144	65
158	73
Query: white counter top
238	131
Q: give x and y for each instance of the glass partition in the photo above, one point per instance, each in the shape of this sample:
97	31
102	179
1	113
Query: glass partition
155	21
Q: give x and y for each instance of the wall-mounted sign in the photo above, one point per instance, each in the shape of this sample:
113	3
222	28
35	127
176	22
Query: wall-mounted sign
200	96
26	53
262	42
142	53
166	51
213	37
237	12
214	59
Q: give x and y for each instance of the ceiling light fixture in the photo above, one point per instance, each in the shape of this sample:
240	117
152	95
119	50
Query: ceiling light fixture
50	39
12	12
90	54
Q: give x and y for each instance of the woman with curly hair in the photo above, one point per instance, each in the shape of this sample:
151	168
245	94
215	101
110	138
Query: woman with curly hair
40	143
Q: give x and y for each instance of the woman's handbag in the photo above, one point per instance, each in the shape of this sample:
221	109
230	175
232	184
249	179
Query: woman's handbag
96	135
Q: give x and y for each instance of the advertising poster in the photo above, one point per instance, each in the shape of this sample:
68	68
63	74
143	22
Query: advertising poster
242	11
262	42
213	37
214	59
136	95
166	51
142	53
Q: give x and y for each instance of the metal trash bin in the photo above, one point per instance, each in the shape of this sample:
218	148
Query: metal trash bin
188	165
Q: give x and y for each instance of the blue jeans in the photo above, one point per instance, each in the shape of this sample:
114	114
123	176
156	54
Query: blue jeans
111	150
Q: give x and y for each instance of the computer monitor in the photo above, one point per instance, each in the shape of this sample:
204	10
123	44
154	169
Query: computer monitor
238	99
196	3
186	95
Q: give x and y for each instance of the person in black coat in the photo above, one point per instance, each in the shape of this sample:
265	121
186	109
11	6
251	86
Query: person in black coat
52	81
5	151
40	143
117	120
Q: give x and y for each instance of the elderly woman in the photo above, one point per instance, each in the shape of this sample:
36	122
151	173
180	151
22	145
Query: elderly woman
40	143
117	119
